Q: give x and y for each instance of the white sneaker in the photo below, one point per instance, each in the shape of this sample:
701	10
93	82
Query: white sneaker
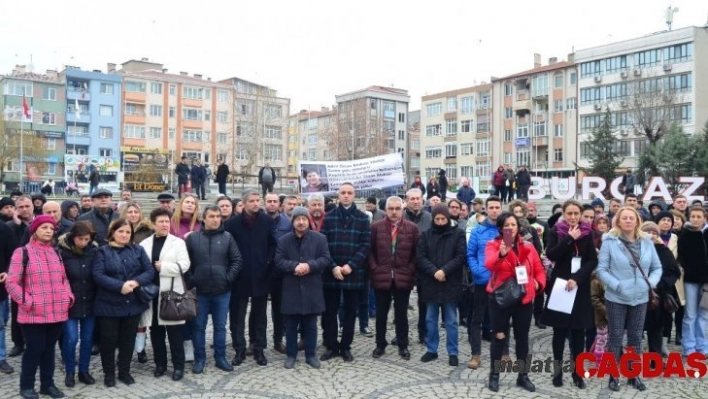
140	342
188	351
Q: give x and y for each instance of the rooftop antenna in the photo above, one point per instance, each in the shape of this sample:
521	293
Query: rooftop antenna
30	67
670	16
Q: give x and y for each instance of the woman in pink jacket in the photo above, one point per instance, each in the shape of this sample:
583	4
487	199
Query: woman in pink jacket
37	282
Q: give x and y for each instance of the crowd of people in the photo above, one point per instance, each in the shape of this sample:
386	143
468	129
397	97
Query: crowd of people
90	274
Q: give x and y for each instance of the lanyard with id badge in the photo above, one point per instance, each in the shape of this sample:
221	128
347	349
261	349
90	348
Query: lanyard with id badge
576	261
522	276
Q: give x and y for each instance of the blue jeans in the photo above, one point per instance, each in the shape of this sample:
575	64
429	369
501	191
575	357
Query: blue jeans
218	305
431	324
372	303
3	348
308	324
71	338
695	321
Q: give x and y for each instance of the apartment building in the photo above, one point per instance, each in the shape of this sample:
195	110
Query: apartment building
370	122
43	143
412	161
456	134
646	82
93	129
537	114
311	129
259	128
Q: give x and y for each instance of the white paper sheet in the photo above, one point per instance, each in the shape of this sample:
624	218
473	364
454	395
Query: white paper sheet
562	300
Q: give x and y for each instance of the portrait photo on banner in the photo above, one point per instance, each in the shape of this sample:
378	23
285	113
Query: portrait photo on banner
313	178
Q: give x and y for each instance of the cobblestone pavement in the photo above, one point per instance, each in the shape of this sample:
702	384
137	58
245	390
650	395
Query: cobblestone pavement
387	377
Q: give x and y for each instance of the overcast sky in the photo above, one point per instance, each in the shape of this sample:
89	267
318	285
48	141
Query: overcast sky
312	50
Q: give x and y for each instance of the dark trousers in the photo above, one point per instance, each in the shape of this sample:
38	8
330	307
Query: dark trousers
267	187
159	348
332	297
576	342
257	323
41	343
524	192
117	333
621	317
182	187
276	301
422	315
363	308
308	324
479	310
678	322
15	330
500	318
400	314
198	188
538	303
222	187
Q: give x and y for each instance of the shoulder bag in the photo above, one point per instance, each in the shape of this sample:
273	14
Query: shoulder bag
144	293
178	307
653	296
509	293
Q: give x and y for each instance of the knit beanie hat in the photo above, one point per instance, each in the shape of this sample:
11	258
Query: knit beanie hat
300	211
6	201
40	220
663	214
597	202
441	209
648	227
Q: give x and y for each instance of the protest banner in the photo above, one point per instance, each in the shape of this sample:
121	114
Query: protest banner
380	172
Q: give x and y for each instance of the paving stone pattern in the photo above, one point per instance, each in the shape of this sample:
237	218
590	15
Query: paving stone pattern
367	378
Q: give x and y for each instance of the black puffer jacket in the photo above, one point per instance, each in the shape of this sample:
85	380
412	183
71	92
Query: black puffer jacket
216	261
693	254
100	222
446	251
79	271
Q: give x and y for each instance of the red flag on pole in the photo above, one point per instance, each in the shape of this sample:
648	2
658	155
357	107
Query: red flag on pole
25	107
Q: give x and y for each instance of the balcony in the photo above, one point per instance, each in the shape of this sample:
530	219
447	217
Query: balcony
134	97
78	139
71	118
522	103
77	93
135	119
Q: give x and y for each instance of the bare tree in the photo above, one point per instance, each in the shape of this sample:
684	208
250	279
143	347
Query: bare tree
651	105
359	132
33	150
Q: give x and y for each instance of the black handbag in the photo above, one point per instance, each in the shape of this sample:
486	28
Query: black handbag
509	293
178	307
146	293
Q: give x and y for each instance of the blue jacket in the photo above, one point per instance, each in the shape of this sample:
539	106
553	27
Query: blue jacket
484	232
112	267
624	284
281	226
466	194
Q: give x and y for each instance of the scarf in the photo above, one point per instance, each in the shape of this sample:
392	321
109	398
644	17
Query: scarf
562	228
665	237
249	219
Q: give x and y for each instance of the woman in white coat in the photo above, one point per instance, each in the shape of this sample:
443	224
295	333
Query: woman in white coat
168	254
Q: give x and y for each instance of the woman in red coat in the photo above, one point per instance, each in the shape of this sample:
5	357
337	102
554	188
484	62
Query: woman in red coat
520	261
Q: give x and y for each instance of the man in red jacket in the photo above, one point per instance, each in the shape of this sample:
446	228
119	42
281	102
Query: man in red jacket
392	269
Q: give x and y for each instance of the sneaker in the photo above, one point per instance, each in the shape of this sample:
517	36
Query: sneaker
223	365
188	351
474	362
453	361
198	367
366	331
289	363
313	362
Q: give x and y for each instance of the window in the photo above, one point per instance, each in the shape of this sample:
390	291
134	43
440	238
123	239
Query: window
523	157
106	88
558	155
451	171
558	80
134	132
274	132
507	134
192	114
433	109
508	89
245	108
591	68
105	152
486	101
12	88
273	111
389	125
49	93
222	96
466	149
171	133
244	128
482	125
77	130
222	116
558	130
508	112
433	152
646	58
451	104
273	152
467	171
155	110
558	106
171	112
173	90
207	96
156	88
451	127
105	132
678	53
401	117
433	130
483	169
450	150
193	93
522	130
616	64
401	134
389	109
483	147
221	138
466	105
131	109
571	103
539	85
508	157
466	126
105	110
573	78
539	129
51	144
49	118
623	148
155	133
52	169
193	136
135	87
640	146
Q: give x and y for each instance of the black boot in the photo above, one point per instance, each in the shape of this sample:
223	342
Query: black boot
614	384
494	382
523	381
637	383
578	381
558	379
69	380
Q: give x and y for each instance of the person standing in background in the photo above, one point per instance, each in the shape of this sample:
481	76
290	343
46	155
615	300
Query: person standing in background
222	173
182	172
198	176
267	178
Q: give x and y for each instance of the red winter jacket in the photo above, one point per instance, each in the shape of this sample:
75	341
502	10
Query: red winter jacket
504	268
47	293
386	267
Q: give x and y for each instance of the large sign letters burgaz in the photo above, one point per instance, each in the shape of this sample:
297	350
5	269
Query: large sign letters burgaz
592	187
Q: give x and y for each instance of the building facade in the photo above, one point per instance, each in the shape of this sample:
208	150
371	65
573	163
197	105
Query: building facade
370	122
42	143
412	161
93	130
537	114
457	134
647	83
